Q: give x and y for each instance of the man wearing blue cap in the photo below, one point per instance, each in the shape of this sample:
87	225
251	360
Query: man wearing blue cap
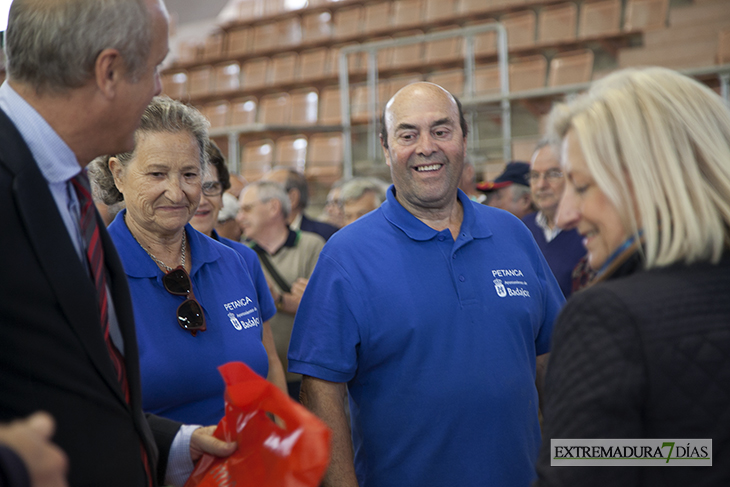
510	190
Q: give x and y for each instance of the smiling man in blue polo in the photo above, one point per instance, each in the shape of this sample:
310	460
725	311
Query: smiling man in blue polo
404	311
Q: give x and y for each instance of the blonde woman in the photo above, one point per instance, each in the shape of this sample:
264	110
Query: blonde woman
644	352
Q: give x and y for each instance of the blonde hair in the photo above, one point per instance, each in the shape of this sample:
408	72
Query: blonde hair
657	143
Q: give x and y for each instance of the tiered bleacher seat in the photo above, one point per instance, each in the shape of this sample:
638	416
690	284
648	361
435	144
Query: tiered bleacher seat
291	151
217	114
312	64
227	77
439	9
558	23
330	103
316	26
304	106
239	42
599	18
347	22
324	157
243	111
445	49
283	68
520	29
407	13
256	158
175	85
571	67
452	81
646	15
255	73
377	17
275	109
199	81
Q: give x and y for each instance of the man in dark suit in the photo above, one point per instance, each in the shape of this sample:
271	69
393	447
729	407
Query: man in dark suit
80	75
295	185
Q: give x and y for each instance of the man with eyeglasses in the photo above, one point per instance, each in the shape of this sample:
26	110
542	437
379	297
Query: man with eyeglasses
562	248
287	257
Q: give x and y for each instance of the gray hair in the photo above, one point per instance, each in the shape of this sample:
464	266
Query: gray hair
271	190
53	45
355	188
162	115
657	144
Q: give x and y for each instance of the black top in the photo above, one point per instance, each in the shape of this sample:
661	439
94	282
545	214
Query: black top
645	354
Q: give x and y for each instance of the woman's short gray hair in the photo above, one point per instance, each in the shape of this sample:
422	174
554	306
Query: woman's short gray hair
657	143
162	115
271	190
54	45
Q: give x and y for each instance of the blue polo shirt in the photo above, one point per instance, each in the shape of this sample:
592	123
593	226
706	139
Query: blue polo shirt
268	307
179	372
436	340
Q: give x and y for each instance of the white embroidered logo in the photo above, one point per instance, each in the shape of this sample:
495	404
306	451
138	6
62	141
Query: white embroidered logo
234	321
501	291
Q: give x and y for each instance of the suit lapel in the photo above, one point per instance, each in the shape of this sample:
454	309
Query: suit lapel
54	249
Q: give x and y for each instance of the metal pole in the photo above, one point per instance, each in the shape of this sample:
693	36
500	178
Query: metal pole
234	159
373	96
504	81
469	63
725	87
345	115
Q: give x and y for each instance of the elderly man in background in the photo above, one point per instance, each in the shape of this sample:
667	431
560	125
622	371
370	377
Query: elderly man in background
360	196
332	211
296	187
563	249
227	226
69	345
435	313
468	182
510	190
287	257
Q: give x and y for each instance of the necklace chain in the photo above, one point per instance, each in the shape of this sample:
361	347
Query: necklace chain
162	264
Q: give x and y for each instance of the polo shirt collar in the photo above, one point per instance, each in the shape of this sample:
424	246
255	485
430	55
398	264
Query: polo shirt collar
471	226
131	251
291	241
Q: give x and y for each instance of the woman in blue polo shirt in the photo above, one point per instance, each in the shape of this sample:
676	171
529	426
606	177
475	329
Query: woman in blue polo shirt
195	304
215	181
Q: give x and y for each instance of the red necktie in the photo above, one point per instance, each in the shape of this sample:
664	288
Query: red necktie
95	259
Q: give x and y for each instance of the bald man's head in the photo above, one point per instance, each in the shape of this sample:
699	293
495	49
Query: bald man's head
411	90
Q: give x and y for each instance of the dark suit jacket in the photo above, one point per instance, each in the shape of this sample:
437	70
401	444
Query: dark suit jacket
52	352
324	230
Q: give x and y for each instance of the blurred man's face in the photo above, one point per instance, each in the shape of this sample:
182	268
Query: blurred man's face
354	209
546	180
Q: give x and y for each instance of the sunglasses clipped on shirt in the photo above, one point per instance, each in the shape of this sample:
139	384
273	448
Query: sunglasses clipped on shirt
190	315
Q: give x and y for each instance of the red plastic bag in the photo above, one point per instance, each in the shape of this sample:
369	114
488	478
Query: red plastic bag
267	455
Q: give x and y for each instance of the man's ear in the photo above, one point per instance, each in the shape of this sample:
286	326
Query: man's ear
295	197
109	70
526	201
386	154
117	170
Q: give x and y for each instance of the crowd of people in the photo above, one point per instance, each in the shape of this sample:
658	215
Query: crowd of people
425	321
